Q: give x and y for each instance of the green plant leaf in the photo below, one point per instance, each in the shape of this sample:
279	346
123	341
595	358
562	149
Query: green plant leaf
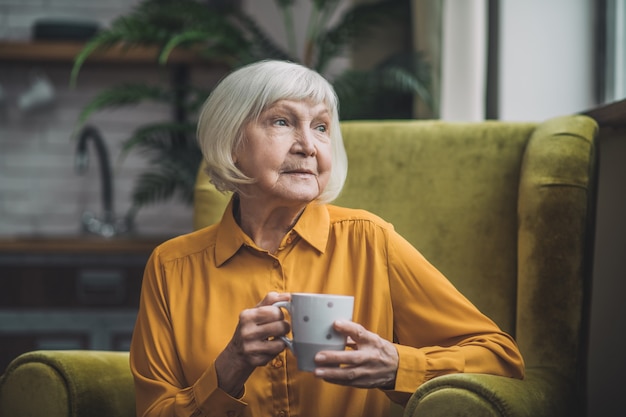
325	4
153	187
123	95
283	4
161	136
261	44
102	41
182	38
168	173
384	92
355	24
322	12
211	45
407	73
357	91
157	22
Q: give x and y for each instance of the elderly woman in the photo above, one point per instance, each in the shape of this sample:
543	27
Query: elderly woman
207	338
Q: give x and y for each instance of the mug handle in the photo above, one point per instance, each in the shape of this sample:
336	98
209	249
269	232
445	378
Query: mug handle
287	306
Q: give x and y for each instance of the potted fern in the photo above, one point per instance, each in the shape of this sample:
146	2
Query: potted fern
221	33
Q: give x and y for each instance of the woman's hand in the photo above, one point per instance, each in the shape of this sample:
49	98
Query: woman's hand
255	342
371	363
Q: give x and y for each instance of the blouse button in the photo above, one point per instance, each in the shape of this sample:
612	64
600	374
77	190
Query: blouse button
277	363
281	413
276	264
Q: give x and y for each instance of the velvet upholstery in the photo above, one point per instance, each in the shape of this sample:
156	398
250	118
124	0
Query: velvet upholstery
503	209
68	384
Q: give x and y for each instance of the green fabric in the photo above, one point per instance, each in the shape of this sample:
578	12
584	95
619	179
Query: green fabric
555	245
209	204
39	387
542	394
68	384
451	190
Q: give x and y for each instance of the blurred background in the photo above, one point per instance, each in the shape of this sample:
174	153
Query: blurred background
89	184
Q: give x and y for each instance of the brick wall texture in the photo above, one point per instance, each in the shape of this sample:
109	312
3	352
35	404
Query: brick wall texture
40	193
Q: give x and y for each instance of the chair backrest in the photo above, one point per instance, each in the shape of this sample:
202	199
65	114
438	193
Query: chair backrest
451	190
501	208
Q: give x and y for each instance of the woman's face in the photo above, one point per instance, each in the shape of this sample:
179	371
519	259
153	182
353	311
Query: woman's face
288	152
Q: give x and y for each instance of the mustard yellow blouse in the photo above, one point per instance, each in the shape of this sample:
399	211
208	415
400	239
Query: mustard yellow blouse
196	285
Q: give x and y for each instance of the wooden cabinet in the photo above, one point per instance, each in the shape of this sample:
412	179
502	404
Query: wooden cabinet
69	293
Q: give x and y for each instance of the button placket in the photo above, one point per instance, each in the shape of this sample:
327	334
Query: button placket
278	376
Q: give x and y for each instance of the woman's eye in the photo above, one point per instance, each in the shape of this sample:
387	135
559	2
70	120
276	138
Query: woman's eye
322	128
280	122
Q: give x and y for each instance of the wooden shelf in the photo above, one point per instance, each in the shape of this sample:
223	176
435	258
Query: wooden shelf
79	244
66	51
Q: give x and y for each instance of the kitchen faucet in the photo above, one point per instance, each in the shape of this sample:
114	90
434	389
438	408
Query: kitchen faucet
107	226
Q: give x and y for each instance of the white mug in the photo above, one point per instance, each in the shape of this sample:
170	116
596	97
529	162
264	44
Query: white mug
312	318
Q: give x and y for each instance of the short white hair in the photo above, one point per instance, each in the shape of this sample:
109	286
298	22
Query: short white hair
241	97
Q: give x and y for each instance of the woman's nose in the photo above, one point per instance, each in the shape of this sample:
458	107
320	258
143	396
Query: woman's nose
305	142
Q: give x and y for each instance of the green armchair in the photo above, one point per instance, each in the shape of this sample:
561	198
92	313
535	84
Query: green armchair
503	209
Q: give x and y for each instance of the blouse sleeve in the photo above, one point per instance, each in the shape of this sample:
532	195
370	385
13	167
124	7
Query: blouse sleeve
440	331
161	388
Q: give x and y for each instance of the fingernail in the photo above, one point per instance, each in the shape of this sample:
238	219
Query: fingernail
320	357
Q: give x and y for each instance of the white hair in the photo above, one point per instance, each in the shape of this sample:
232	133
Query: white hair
241	97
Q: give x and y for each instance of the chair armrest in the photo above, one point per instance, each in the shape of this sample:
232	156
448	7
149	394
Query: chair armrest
543	393
76	383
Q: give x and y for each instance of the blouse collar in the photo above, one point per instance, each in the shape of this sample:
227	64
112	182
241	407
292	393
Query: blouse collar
313	228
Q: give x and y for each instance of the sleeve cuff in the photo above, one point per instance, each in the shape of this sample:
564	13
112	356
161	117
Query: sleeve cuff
212	400
411	369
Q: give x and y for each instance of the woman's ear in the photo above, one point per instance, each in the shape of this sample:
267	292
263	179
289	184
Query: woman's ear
237	148
234	155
